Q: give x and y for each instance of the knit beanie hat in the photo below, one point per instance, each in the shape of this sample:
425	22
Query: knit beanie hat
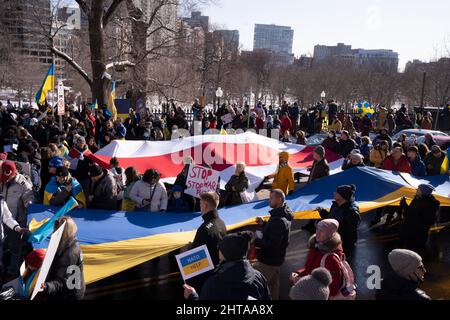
8	170
404	262
177	188
346	191
234	246
35	258
320	151
328	226
284	155
426	189
312	287
55	162
95	170
62	172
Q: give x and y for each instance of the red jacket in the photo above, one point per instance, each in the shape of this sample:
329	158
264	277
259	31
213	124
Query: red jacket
402	166
286	124
332	264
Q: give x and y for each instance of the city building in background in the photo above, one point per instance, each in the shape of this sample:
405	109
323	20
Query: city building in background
230	38
276	39
382	58
18	20
196	20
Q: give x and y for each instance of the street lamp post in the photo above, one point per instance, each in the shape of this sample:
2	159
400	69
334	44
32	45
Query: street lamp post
219	94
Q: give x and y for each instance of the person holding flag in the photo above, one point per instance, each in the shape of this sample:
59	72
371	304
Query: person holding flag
47	85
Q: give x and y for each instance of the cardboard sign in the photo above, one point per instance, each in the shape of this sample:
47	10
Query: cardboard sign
61	104
194	262
49	255
226	119
201	180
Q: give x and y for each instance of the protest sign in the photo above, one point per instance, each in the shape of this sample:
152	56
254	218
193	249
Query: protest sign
49	255
61	102
226	119
201	180
194	262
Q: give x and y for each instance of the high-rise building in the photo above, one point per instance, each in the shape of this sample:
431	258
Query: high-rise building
196	20
19	20
229	37
275	38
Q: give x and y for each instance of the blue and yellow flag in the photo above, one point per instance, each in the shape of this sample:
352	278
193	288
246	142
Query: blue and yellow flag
46	229
47	85
111	105
94	106
445	164
113	241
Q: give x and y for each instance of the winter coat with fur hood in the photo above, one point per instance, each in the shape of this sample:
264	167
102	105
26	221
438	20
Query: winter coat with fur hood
332	263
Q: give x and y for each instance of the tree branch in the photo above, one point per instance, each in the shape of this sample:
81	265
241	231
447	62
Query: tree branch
125	63
84	7
112	8
72	62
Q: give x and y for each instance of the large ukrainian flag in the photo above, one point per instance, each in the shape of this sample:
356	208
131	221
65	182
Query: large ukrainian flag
113	241
47	85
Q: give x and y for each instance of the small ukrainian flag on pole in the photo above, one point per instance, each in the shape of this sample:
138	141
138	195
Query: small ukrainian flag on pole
94	106
47	85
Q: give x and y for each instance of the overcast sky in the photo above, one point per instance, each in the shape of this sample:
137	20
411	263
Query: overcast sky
416	29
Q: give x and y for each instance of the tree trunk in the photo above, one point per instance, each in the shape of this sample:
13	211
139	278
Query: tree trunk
99	87
138	74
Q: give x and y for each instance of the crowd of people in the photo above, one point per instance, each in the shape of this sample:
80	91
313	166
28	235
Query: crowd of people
42	163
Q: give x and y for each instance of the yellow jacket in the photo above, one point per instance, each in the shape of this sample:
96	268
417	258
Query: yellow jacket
336	126
284	180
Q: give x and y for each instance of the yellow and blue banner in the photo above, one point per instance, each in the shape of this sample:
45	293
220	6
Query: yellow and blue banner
46	229
445	169
111	105
47	85
114	241
194	262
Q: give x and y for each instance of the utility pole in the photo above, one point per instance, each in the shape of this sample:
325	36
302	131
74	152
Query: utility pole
422	97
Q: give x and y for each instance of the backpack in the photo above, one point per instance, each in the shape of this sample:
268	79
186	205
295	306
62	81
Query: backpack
347	291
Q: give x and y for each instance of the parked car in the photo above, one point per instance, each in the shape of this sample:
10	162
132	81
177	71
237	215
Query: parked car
417	133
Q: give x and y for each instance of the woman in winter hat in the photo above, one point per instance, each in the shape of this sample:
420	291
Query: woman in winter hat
312	287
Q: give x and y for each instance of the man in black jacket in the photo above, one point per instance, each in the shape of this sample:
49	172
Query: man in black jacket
403	282
345	210
210	233
419	216
102	189
235	278
346	144
271	246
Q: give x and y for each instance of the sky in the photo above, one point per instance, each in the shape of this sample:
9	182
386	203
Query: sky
416	29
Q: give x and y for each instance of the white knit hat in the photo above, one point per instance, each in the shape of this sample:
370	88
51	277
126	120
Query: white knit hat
404	262
312	287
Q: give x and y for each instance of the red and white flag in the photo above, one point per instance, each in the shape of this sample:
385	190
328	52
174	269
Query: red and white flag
221	152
